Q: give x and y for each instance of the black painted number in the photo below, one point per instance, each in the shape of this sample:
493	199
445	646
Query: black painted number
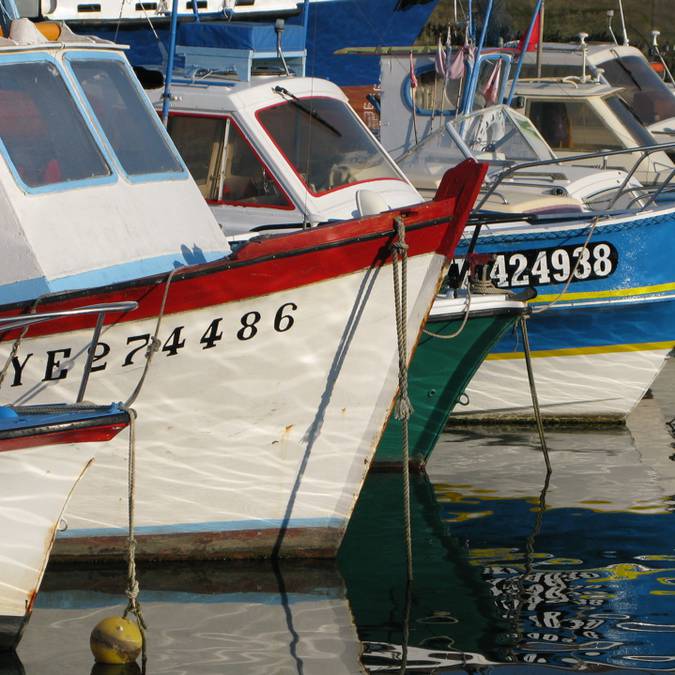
211	335
248	325
283	320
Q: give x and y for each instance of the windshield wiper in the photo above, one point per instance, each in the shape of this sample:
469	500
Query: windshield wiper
292	98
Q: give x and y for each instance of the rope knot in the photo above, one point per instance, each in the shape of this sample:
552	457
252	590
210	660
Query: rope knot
403	409
400	247
153	346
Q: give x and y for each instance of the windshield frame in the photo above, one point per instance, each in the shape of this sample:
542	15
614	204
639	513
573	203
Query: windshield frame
624	62
82	55
322	193
62	186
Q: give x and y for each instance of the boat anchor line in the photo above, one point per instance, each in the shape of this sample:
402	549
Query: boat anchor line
403	409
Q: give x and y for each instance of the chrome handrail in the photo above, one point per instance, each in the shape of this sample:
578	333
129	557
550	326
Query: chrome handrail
100	310
644	150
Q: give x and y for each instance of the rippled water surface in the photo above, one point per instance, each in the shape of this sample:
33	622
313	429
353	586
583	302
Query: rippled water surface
512	572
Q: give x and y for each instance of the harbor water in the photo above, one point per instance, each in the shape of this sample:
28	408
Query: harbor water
512	573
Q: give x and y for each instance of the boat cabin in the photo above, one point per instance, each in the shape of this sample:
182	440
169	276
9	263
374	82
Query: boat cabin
585	117
278	151
647	95
436	99
92	189
504	138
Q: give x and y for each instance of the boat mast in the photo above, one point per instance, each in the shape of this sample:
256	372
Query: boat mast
526	43
166	96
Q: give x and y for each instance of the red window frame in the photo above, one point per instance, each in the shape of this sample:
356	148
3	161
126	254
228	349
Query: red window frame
225	202
295	171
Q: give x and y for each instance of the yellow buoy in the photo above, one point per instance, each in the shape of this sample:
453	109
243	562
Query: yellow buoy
116	669
115	640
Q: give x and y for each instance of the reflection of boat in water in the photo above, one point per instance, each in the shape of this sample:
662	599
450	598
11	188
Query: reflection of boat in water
247	618
589	578
450	608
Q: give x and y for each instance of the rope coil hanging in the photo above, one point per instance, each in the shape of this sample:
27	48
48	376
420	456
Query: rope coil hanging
403	408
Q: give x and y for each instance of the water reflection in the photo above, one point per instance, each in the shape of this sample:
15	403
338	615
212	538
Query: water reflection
511	574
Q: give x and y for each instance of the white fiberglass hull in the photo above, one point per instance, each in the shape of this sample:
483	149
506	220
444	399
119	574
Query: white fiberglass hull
245	446
35	485
586	386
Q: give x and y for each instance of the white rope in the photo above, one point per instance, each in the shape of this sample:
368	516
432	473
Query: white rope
465	318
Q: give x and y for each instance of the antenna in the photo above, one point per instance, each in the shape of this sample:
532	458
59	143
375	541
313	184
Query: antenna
655	46
610	16
279	26
584	47
623	24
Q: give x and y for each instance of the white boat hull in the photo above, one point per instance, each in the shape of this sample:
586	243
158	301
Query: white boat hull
35	485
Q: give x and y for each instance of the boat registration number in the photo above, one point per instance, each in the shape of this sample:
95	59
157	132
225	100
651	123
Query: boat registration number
57	362
539	267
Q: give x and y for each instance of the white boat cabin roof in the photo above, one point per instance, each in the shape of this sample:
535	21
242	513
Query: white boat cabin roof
92	189
291	147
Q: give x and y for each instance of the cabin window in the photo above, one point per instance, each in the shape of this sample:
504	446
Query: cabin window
572	125
643	90
223	164
325	143
435	93
128	122
44	134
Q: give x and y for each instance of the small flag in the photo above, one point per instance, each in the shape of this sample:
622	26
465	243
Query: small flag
456	67
534	37
413	79
491	88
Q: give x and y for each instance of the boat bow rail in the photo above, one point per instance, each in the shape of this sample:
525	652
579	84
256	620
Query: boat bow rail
639	197
10	324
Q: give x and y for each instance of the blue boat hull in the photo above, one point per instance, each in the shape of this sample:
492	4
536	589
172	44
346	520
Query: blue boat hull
597	342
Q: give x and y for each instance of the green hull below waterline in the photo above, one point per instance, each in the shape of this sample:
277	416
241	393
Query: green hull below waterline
439	373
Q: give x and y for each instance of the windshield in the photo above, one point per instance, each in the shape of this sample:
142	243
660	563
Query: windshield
130	125
44	135
644	91
498	134
325	144
629	119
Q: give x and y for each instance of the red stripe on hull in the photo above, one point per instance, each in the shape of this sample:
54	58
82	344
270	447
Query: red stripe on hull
102	432
280	262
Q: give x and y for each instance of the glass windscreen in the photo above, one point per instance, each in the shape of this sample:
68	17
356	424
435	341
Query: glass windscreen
45	136
325	144
572	125
644	91
222	162
499	134
129	123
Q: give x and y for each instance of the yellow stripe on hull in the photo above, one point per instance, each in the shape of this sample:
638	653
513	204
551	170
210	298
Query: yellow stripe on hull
616	293
579	351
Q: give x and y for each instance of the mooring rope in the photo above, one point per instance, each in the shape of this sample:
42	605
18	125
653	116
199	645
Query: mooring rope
133	589
533	392
465	319
154	344
584	248
403	408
